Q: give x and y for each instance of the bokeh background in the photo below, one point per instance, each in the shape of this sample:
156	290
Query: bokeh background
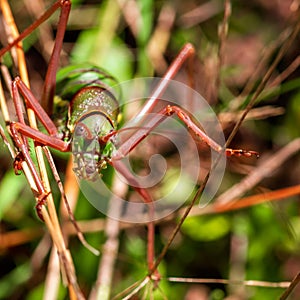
138	39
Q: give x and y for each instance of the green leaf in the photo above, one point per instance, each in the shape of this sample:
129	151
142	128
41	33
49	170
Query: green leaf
146	9
102	47
11	281
10	188
206	228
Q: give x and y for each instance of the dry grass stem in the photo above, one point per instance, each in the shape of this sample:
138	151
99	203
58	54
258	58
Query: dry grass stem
158	43
131	15
223	32
286	45
257	199
51	219
291	287
46	42
264	169
103	286
265	57
257	113
286	73
18	237
52	279
200	14
121	27
253	283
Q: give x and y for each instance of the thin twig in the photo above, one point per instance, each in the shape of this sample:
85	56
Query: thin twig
132	15
264	58
267	167
51	219
223	32
257	113
137	289
46	42
160	38
254	283
291	287
287	72
19	237
66	202
257	199
103	285
265	79
200	14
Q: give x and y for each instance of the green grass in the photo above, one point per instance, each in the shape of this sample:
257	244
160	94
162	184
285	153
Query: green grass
256	243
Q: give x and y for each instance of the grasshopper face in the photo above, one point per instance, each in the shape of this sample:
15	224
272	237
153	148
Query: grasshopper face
89	151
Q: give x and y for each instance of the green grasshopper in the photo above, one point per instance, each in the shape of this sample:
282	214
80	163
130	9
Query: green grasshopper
81	104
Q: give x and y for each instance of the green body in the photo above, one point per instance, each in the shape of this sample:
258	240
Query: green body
85	111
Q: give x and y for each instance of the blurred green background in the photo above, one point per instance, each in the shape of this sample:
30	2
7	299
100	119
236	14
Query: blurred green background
256	243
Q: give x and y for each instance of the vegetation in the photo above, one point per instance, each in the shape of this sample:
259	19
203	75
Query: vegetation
247	68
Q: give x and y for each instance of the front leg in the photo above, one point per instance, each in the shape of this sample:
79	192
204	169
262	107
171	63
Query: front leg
24	155
21	131
46	140
128	145
122	169
18	86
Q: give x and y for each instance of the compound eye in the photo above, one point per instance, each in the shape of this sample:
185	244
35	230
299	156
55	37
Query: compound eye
83	131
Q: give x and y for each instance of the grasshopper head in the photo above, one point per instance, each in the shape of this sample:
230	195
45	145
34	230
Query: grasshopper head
89	152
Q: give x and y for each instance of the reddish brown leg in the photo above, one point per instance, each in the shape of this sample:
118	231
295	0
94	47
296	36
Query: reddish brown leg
158	118
19	129
122	169
170	110
50	81
133	141
42	194
48	93
185	54
52	139
18	86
